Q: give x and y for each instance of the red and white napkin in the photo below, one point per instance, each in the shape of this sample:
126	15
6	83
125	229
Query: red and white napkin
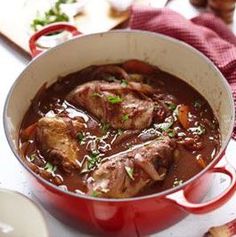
206	32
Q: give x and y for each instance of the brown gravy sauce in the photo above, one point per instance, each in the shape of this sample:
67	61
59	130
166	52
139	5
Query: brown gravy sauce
52	101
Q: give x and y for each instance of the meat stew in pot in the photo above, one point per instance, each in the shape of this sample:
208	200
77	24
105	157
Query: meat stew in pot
118	131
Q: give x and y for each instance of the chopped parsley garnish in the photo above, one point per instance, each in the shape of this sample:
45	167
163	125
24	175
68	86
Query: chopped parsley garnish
176	112
95	94
49	167
130	146
54	14
120	131
197	130
124	83
164	126
95	194
93	159
114	99
105	127
171	133
177	182
171	106
125	117
80	137
197	104
32	157
130	172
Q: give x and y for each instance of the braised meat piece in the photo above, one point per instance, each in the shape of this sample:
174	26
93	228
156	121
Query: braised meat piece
125	174
126	106
56	137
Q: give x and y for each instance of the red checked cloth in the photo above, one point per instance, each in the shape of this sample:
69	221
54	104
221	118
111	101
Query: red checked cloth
206	33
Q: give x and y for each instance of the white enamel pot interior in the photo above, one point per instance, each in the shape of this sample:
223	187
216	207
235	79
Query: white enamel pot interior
168	54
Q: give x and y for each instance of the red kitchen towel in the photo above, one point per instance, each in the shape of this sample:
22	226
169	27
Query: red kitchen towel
206	33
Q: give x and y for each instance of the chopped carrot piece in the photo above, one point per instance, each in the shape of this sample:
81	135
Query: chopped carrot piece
29	131
201	162
183	116
136	66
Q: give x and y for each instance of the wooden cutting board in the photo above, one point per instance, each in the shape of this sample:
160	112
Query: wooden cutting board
16	17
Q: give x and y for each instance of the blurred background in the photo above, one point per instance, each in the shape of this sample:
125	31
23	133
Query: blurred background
19	19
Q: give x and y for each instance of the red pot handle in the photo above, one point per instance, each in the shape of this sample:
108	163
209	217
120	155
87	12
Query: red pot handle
200	208
52	28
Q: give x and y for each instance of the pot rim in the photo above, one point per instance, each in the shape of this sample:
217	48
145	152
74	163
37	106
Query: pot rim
113	200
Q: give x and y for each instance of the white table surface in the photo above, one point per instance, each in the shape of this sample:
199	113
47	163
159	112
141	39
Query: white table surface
12	177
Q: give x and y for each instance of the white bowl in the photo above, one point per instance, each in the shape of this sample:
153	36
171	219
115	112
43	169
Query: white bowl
20	217
72	9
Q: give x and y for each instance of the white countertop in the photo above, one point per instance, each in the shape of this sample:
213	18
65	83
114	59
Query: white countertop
12	176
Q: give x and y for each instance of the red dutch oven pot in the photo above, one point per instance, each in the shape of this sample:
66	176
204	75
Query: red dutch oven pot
137	216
